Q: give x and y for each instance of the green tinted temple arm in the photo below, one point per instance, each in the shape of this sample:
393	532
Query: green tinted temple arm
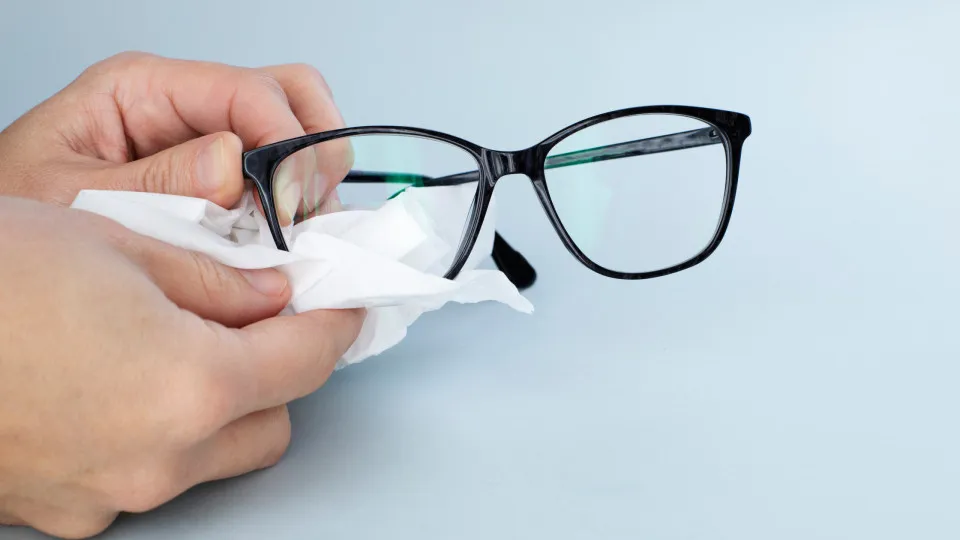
642	147
654	145
511	262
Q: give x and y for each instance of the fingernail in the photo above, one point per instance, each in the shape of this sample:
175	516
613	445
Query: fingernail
288	190
268	281
317	187
332	204
312	192
210	167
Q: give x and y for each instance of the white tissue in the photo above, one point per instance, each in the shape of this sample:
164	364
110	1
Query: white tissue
384	260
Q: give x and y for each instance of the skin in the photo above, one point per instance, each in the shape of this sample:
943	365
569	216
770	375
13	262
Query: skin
131	370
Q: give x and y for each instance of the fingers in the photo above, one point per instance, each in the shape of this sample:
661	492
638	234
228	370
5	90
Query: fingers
165	103
309	96
203	286
231	297
208	167
305	180
278	360
253	442
163	100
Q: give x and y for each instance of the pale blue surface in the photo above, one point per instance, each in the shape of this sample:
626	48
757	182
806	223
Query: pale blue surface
801	384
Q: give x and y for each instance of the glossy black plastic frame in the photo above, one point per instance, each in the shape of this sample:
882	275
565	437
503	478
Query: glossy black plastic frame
728	128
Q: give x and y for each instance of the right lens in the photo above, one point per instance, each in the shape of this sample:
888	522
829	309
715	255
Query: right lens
640	193
374	168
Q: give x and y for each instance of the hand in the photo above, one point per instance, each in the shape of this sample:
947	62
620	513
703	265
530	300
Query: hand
139	122
131	370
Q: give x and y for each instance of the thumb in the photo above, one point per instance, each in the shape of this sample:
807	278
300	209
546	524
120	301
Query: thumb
199	284
208	167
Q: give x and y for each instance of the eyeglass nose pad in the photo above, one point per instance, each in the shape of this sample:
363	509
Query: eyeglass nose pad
514	265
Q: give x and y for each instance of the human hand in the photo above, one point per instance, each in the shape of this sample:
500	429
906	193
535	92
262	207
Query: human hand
140	122
132	370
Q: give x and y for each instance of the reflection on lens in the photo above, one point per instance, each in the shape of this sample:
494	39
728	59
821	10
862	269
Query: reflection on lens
304	181
641	193
365	172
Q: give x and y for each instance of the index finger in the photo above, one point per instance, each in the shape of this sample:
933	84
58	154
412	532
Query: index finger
280	359
309	96
167	101
307	179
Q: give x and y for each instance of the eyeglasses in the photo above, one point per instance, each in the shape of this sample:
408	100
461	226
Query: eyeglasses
636	193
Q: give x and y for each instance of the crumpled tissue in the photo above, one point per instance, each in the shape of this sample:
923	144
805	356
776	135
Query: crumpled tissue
386	260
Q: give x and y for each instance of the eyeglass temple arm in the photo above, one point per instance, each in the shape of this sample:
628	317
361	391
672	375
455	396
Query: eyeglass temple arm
653	145
516	267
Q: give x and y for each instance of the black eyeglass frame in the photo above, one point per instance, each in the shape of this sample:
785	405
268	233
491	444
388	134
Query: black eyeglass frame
731	128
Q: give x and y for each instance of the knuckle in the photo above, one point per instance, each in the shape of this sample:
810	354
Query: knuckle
127	58
281	439
267	82
215	282
162	174
201	407
310	73
119	62
78	527
146	489
209	278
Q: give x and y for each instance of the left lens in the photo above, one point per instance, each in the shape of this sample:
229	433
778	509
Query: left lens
367	171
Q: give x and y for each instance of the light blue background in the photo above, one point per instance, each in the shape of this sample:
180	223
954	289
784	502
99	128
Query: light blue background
801	384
